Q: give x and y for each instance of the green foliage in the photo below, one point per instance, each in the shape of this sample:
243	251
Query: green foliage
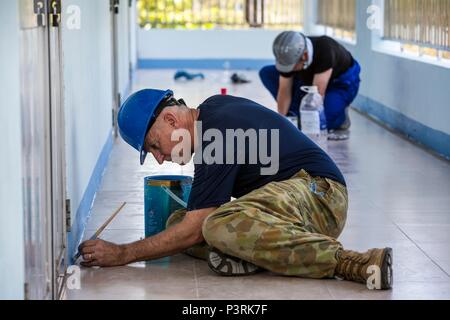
211	14
190	14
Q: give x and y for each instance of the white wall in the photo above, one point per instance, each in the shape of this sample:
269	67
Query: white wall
88	93
88	79
124	47
415	89
11	211
133	40
212	44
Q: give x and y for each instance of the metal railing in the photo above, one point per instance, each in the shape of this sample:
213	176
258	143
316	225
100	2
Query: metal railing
338	14
418	22
227	14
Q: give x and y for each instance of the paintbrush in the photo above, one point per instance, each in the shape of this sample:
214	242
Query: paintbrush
100	230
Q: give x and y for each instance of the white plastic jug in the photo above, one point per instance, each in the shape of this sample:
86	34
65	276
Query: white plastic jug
312	116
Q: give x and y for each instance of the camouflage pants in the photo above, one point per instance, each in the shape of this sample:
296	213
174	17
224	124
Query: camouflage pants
287	227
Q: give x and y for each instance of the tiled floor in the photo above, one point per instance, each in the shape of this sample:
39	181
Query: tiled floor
399	197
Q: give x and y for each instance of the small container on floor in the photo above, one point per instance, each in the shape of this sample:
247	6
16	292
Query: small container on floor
163	195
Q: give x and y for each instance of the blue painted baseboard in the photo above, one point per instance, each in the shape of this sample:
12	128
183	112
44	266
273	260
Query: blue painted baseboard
83	212
435	140
235	64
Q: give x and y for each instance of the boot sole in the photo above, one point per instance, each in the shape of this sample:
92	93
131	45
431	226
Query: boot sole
228	261
387	274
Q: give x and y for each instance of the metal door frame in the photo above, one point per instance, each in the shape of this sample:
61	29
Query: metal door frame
114	10
36	175
36	14
58	150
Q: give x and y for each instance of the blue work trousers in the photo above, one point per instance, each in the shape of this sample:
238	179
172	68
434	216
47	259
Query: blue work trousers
339	95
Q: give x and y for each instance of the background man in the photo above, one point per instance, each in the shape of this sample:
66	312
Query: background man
318	61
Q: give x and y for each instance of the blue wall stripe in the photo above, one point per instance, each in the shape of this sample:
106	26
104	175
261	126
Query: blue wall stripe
236	64
435	140
75	236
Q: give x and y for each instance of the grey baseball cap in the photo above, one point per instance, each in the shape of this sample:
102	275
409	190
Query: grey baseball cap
288	48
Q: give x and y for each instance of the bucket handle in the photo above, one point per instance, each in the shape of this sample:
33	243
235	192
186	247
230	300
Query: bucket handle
174	196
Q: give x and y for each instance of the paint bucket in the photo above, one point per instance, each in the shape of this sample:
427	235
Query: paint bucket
162	196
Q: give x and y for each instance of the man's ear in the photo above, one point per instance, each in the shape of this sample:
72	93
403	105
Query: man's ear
171	119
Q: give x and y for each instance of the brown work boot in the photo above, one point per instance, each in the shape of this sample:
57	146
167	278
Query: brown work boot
373	268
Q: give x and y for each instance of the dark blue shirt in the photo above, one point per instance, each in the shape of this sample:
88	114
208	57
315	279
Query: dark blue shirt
215	183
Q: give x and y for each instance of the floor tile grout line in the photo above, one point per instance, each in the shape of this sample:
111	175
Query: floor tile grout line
422	250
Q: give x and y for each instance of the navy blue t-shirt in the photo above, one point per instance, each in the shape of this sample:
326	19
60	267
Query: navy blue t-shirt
222	172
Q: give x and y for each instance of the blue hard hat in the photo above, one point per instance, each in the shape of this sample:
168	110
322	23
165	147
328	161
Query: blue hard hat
137	114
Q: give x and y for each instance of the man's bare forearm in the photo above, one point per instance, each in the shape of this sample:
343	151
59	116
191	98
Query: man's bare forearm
169	242
284	96
176	239
322	80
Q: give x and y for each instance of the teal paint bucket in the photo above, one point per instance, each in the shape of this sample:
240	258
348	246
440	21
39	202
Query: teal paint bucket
162	196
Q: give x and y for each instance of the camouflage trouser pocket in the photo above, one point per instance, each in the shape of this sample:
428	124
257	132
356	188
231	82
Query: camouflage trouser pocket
324	203
333	206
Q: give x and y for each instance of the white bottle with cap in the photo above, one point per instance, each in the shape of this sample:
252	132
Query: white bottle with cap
294	120
312	116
